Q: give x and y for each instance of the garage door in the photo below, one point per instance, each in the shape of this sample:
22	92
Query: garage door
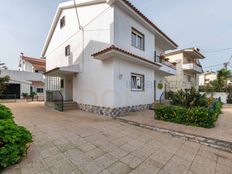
11	91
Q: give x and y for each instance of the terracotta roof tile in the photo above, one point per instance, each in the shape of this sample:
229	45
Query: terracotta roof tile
113	47
34	60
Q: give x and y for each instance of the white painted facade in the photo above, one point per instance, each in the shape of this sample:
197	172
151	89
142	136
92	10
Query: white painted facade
103	82
188	69
23	78
207	77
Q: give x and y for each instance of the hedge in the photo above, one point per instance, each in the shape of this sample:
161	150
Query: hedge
196	116
14	139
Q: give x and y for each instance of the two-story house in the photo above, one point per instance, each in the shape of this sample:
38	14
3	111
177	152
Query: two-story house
104	56
36	67
207	77
28	78
188	69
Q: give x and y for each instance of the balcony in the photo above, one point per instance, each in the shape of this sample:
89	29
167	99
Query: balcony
193	68
167	68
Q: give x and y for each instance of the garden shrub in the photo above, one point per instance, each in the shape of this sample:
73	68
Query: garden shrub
196	116
189	99
13	139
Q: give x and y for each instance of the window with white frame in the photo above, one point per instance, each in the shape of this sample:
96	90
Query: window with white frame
137	82
137	39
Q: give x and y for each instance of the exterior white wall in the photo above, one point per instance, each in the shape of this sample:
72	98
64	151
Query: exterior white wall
95	81
222	95
98	83
159	78
123	24
180	81
23	78
97	28
22	75
123	96
26	66
206	78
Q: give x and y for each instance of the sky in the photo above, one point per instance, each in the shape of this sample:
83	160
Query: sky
206	24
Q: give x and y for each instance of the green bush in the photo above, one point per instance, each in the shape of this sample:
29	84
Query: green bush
189	99
13	139
196	116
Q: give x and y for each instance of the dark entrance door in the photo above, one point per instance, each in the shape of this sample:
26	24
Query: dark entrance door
154	90
12	91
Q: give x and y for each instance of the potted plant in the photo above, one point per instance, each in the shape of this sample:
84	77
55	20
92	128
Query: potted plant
33	95
25	95
174	63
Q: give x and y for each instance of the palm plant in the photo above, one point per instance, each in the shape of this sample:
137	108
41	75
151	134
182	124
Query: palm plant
189	99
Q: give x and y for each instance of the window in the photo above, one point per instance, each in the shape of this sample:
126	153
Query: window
137	82
39	90
189	78
137	39
62	22
62	83
67	50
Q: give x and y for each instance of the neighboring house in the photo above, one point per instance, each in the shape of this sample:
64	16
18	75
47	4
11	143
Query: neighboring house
110	64
37	66
29	78
188	68
30	64
207	77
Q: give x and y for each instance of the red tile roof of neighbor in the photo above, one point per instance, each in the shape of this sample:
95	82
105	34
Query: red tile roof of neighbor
37	83
149	21
34	60
39	64
113	47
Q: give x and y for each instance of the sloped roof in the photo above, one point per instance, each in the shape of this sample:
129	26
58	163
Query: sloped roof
70	4
39	64
113	47
34	60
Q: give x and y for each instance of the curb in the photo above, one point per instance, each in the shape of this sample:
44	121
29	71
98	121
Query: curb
211	142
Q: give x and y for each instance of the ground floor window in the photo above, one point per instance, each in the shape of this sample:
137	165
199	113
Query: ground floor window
39	90
137	82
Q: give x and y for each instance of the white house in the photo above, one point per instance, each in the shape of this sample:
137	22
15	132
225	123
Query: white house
207	77
110	63
188	69
29	78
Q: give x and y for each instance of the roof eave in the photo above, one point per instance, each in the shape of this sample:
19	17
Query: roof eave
61	7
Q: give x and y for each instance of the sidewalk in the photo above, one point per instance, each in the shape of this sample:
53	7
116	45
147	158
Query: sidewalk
221	132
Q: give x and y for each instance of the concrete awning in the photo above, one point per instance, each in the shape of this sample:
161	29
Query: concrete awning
65	70
115	52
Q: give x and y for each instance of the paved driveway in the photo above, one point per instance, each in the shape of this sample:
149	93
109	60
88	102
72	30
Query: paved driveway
78	142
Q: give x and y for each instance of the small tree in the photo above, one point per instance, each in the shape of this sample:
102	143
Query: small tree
3	83
223	77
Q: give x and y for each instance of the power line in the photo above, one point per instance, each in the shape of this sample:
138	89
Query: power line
215	51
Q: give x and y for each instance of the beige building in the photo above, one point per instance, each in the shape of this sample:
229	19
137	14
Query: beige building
188	69
207	77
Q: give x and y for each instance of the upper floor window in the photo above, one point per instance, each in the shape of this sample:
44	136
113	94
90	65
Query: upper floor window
62	22
137	39
137	82
67	50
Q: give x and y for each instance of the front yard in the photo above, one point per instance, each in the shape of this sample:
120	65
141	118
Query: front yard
190	108
79	142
